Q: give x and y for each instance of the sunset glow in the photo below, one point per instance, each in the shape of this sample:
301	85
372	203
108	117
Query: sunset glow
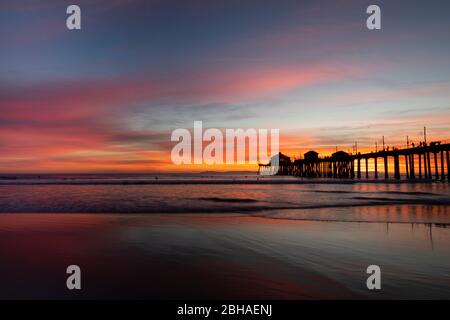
107	98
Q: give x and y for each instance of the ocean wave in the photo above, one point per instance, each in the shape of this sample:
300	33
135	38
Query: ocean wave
234	200
151	209
410	193
206	181
353	219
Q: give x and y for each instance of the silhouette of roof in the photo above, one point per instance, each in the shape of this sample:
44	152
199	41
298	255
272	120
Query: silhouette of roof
340	155
281	158
311	155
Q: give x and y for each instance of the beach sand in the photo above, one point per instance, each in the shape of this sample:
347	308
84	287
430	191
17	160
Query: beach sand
218	256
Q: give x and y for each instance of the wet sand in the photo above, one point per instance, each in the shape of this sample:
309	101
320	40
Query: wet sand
218	256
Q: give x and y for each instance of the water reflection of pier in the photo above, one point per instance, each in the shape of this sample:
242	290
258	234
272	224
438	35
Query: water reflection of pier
417	161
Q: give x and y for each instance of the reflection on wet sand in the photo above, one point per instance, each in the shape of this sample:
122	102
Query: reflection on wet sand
428	214
222	256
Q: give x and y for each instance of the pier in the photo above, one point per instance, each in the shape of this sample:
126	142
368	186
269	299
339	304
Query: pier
425	162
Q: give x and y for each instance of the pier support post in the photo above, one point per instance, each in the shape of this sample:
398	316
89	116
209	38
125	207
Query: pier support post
420	165
448	166
367	168
386	173
352	168
407	166
396	167
334	169
359	168
412	173
376	167
442	166
429	166
436	169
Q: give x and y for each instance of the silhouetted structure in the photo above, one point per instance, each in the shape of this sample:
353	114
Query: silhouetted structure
342	164
280	164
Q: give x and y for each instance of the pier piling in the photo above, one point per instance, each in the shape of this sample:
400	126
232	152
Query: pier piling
429	165
359	168
436	169
420	165
376	167
407	166
386	172
396	167
367	168
448	165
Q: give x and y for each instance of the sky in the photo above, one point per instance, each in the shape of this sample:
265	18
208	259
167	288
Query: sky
106	98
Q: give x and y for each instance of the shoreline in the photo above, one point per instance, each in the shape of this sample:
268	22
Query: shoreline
158	181
226	215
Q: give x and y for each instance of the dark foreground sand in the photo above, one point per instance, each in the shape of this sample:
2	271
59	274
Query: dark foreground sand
218	256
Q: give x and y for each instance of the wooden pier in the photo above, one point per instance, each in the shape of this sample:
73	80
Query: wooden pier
417	163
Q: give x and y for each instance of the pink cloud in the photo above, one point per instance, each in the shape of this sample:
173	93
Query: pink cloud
42	123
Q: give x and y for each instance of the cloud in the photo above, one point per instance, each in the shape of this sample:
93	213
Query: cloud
78	103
